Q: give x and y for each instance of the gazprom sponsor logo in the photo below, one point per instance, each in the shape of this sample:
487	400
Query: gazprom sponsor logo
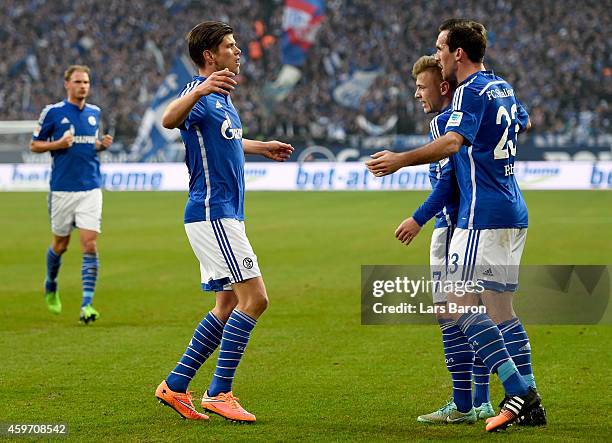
228	132
85	139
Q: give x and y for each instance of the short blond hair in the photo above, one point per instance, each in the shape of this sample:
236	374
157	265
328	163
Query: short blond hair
76	68
425	63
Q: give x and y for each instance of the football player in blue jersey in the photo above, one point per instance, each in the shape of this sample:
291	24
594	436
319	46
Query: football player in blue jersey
214	222
435	95
68	130
492	223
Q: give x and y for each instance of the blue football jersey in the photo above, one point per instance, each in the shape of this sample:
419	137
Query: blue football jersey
444	198
76	168
212	135
488	116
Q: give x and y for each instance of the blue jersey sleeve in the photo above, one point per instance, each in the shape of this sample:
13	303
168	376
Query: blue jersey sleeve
44	128
198	112
199	109
441	196
522	116
468	109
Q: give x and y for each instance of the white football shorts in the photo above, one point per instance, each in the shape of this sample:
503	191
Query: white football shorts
438	260
492	256
80	209
224	252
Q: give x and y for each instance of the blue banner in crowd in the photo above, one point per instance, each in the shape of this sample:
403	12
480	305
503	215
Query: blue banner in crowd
152	136
349	92
301	21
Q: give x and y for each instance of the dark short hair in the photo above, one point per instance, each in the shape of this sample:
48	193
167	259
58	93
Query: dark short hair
468	35
207	36
451	23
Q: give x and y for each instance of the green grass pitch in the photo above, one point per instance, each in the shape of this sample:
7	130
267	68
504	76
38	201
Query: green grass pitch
311	372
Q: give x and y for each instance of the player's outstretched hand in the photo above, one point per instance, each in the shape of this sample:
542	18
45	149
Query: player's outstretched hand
66	141
222	82
277	151
384	163
107	141
407	230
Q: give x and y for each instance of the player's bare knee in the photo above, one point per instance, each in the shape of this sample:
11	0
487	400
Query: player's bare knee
499	306
89	246
441	314
60	248
454	316
60	245
222	313
256	303
499	317
225	304
252	296
259	302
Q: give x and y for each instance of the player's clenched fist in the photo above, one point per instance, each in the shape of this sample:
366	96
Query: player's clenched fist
66	141
220	81
107	141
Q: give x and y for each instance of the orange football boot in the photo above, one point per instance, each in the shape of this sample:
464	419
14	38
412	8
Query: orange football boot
226	405
501	421
179	401
514	409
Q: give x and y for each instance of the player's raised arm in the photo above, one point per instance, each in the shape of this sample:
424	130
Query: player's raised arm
178	110
387	162
274	150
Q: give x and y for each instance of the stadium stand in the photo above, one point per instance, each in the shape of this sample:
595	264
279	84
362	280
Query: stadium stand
561	67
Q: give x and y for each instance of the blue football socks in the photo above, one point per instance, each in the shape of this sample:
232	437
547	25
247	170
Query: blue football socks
89	275
481	382
236	334
54	261
517	344
459	357
205	340
487	341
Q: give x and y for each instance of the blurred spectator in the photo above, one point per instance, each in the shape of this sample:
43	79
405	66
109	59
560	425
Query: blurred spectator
557	56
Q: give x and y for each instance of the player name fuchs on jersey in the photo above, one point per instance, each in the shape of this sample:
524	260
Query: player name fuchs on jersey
500	93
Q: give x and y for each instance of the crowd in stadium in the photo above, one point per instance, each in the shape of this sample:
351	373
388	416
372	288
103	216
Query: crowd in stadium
556	55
